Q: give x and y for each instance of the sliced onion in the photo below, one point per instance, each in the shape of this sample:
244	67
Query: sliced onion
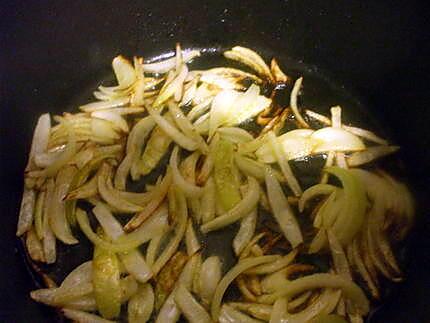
279	310
277	73
259	311
80	275
181	225
34	246
338	255
173	132
171	88
40	138
192	310
276	265
231	275
84	303
170	63
208	201
169	312
141	305
103	129
144	233
313	191
336	139
243	208
370	154
59	296
228	314
191	241
49	241
113	117
283	163
104	105
112	196
235	134
246	232
158	195
26	212
349	289
210	275
153	248
188	188
249	58
282	211
295	143
293	102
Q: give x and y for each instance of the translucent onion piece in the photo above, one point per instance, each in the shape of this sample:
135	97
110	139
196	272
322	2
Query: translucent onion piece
59	296
278	264
192	310
57	212
313	191
106	282
210	275
279	310
259	311
170	312
336	139
349	289
173	244
173	132
80	275
293	102
243	208
191	241
229	314
370	154
141	305
283	163
49	241
250	58
231	275
40	139
170	63
282	211
83	317
113	117
153	248
246	232
170	88
84	303
152	227
34	246
26	214
208	201
188	188
235	134
339	257
111	196
104	105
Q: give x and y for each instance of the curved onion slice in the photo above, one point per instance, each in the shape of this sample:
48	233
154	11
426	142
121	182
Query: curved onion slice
170	63
229	314
243	208
111	196
34	246
293	102
278	264
25	219
169	312
188	188
311	192
246	232
349	289
113	117
57	212
231	275
104	105
295	143
40	138
210	275
151	228
336	139
259	311
141	305
282	210
235	134
249	58
192	310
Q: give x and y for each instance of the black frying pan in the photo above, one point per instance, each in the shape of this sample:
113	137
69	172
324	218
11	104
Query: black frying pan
50	51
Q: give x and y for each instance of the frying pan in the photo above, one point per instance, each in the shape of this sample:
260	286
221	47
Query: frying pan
377	50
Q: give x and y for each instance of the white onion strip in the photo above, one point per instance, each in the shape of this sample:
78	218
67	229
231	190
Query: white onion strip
192	310
293	102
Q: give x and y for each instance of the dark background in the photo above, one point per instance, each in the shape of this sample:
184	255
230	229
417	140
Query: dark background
50	50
